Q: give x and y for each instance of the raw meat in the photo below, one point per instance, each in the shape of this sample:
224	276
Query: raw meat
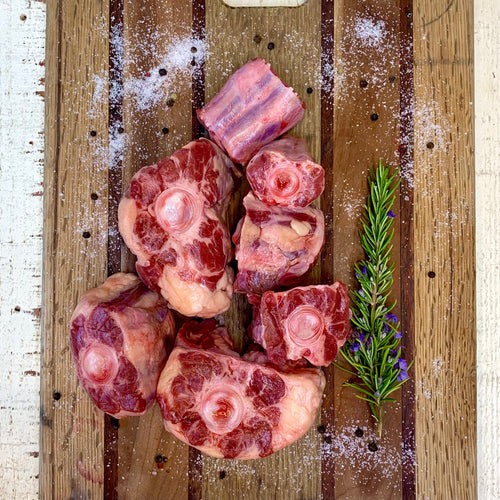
310	322
230	407
252	109
276	246
171	218
121	334
283	173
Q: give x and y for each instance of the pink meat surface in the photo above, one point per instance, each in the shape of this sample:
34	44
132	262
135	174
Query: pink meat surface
227	406
121	334
311	322
276	246
252	109
171	218
283	173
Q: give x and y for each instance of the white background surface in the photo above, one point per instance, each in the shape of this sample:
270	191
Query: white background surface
22	47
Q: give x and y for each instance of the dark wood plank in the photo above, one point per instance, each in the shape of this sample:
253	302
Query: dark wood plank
366	130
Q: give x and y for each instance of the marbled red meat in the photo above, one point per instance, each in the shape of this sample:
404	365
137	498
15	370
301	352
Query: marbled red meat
121	334
310	322
226	406
252	109
171	217
276	246
283	173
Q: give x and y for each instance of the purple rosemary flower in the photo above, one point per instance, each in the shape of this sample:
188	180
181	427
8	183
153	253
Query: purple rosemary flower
364	270
398	335
403	375
390	318
354	347
401	364
391	214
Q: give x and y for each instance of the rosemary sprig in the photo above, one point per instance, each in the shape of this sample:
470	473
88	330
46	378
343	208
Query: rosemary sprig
374	351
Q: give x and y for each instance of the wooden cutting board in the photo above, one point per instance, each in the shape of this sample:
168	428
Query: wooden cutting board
388	80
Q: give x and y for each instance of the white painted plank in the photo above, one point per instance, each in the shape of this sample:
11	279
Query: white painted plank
22	42
487	138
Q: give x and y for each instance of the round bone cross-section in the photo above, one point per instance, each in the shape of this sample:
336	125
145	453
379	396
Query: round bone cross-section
171	217
283	173
232	407
121	334
310	322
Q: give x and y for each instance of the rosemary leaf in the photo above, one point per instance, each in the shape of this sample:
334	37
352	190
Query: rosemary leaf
374	350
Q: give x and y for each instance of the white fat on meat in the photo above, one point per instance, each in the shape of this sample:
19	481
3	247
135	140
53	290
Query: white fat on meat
229	406
121	334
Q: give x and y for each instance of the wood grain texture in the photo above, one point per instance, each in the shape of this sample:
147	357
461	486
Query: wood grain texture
367	43
366	130
295	54
444	246
75	166
487	166
22	38
155	37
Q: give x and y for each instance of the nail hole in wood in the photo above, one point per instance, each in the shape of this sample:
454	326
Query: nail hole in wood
121	130
170	102
86	234
115	423
359	432
431	274
23	17
328	439
162	72
93	133
374	117
392	79
257	39
164	130
194	50
363	84
270	46
321	429
56	396
94	196
222	474
373	446
17	309
430	145
158	459
309	90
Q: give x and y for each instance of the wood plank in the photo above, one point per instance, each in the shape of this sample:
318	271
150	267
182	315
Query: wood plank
233	37
366	129
74	260
151	462
444	250
22	84
487	187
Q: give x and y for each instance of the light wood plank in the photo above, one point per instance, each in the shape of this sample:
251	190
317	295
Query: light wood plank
233	37
444	245
76	166
487	163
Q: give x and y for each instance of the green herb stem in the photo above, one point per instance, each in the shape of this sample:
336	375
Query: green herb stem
374	351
